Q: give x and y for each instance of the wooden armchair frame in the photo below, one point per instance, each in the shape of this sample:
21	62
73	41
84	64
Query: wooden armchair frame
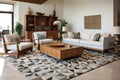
16	54
38	40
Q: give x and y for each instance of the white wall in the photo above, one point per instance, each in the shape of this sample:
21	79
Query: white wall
75	10
16	17
46	8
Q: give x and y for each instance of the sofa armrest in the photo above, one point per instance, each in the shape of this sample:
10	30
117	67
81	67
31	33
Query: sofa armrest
108	42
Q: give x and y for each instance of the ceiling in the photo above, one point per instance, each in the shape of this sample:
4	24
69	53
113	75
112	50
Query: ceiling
33	1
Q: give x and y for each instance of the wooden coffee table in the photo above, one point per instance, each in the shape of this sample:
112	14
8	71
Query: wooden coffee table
60	50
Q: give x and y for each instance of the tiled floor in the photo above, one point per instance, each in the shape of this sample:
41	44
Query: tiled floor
108	72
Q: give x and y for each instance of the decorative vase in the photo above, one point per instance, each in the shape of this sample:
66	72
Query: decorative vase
54	13
29	11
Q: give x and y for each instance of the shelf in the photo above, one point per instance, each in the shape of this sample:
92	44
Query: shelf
40	23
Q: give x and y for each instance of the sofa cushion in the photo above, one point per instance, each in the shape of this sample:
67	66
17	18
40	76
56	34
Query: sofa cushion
76	35
85	36
103	35
92	36
22	45
90	43
96	37
71	40
70	34
65	35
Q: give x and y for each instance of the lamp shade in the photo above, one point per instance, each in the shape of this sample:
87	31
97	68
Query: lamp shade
57	23
64	29
116	30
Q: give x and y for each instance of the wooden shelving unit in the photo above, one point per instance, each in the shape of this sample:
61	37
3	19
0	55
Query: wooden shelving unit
35	23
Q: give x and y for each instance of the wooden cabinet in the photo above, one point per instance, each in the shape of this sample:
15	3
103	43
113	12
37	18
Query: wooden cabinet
53	34
35	23
30	22
45	23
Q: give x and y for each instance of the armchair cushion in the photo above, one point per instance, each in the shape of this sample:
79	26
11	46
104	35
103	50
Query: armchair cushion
22	45
15	39
40	33
40	36
43	41
8	37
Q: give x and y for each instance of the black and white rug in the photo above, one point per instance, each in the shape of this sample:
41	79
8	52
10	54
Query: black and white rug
38	66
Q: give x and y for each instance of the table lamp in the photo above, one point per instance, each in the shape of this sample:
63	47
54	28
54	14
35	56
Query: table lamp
57	23
116	33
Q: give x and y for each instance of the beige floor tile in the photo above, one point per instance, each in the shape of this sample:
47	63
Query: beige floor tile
108	72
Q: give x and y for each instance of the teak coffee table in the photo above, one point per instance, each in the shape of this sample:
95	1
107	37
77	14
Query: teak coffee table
60	50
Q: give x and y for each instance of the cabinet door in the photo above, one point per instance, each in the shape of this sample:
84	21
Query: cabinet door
55	35
49	34
30	35
30	23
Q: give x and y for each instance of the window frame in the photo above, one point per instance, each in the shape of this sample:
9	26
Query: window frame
9	12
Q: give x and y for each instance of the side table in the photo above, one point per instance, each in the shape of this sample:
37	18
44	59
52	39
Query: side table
117	47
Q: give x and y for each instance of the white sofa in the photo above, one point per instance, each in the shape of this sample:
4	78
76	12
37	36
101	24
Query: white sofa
86	42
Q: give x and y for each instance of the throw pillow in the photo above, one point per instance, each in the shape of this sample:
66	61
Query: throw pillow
15	39
40	36
76	35
103	35
70	34
92	36
65	35
96	37
85	36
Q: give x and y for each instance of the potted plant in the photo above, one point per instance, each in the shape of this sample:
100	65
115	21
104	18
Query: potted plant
18	28
63	24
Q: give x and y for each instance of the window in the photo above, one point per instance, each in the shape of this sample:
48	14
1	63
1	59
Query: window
6	17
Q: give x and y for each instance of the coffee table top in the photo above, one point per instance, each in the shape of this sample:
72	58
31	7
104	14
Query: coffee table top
60	45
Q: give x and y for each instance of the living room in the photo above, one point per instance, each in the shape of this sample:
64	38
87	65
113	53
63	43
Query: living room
75	13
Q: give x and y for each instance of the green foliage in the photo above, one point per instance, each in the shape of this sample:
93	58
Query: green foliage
63	23
18	28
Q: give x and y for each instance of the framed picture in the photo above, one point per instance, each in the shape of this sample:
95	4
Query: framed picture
92	22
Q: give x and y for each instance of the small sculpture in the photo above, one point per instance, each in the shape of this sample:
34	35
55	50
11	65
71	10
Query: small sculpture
29	11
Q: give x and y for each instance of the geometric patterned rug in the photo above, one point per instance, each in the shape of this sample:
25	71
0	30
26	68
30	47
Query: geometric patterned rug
38	66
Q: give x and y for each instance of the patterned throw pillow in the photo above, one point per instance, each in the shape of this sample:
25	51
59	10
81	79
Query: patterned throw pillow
40	36
76	35
15	39
96	37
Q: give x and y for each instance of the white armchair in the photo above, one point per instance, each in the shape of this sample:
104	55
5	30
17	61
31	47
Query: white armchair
41	38
11	44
